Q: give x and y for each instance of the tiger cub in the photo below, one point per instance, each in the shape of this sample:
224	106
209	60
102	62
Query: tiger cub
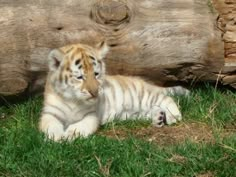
79	96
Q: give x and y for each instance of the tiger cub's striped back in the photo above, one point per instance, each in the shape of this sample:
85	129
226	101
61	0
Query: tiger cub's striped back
131	97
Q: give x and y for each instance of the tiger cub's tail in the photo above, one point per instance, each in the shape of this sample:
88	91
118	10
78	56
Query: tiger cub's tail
177	90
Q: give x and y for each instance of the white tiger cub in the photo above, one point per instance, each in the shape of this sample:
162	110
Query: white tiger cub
79	96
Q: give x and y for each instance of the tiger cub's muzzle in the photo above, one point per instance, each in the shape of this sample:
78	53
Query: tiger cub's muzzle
92	86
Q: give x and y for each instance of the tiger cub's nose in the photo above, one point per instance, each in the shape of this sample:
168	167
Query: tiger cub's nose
94	92
93	88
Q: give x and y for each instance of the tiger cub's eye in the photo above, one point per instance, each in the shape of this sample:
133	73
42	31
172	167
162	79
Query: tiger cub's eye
80	77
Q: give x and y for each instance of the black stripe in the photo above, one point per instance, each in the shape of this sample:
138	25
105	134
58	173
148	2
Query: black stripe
141	95
148	103
57	108
66	79
113	91
80	110
132	96
69	49
87	114
154	99
135	87
55	116
91	57
64	104
60	77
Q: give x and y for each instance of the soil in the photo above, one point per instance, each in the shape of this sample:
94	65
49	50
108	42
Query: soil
169	135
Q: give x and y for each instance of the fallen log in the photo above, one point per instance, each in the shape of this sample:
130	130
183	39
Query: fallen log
164	41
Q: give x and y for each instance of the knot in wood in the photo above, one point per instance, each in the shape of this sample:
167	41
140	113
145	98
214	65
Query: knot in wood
110	12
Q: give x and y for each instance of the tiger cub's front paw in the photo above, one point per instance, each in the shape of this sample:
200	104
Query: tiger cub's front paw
74	131
54	133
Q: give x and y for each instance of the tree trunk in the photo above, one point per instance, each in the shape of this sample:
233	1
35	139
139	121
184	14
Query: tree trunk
163	41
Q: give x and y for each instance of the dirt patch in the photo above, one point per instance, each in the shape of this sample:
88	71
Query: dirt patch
168	135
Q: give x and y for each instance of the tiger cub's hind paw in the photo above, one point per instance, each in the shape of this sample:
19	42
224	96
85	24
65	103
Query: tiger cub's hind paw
165	118
160	119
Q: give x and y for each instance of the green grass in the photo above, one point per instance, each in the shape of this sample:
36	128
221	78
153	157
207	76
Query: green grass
25	152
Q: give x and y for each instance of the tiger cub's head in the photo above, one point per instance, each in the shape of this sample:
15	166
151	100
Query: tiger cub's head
76	71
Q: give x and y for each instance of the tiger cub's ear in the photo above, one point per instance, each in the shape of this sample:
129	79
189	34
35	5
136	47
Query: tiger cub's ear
102	49
54	59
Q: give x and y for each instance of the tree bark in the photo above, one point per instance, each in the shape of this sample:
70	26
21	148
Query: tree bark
163	41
